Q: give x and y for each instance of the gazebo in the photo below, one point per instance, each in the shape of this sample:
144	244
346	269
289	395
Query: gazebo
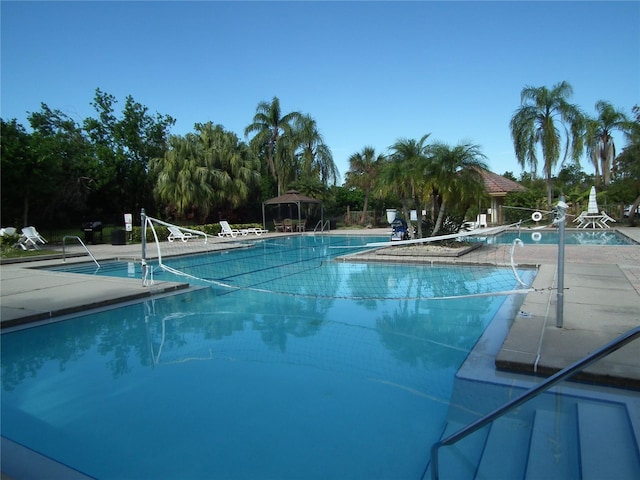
497	187
291	197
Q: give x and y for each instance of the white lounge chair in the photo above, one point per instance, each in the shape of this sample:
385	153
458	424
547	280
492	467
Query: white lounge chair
227	231
176	234
30	238
257	231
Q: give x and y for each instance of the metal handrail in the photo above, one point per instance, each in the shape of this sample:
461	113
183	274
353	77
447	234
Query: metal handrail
322	226
64	254
533	392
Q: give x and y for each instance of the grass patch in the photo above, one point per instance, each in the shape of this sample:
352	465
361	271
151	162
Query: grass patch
7	252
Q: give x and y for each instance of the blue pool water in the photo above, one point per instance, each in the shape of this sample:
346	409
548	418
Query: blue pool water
572	237
246	383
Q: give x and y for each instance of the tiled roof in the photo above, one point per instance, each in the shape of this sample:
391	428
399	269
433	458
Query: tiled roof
497	184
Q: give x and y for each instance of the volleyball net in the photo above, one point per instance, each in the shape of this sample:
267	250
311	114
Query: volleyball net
334	266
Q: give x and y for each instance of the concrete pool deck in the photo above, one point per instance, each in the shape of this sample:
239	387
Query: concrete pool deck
601	300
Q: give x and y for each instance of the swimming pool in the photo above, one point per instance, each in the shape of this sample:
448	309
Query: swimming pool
550	237
247	383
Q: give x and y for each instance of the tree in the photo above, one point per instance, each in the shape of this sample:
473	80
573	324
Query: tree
599	138
124	146
202	170
233	168
404	174
180	178
47	174
547	120
363	174
455	175
21	172
65	152
628	163
314	156
272	139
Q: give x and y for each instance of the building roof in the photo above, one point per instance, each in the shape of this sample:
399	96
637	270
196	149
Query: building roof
497	185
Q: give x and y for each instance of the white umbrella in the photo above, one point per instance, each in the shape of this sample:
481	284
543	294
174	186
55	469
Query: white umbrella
592	207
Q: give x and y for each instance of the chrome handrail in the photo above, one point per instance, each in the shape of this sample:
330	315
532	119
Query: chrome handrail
322	226
532	392
64	255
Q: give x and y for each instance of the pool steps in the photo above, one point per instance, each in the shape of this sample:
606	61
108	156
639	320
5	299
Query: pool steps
590	440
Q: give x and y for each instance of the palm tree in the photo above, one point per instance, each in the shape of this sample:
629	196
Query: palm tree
455	174
547	120
599	139
363	174
233	168
404	173
202	170
271	129
315	159
181	179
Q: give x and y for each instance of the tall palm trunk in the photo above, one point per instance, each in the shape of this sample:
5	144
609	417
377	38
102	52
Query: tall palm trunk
416	206
364	208
440	219
596	166
606	157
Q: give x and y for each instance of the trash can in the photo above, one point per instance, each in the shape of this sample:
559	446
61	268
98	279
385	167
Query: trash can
118	237
91	231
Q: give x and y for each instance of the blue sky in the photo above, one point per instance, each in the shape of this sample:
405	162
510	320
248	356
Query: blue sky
369	73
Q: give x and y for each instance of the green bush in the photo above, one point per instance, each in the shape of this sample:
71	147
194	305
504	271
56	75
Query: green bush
9	240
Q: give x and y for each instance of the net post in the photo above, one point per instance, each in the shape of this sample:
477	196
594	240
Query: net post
560	220
143	256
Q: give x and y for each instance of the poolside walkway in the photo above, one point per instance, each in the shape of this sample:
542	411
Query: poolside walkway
601	300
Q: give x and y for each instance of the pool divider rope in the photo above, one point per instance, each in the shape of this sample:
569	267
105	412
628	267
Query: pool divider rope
266	269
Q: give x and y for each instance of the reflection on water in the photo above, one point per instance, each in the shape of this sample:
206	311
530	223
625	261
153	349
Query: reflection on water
247	384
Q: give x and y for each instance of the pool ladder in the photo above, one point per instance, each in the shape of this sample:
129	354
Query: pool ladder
64	253
322	226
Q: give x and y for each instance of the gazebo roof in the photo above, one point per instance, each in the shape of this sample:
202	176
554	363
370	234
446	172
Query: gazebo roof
292	196
497	185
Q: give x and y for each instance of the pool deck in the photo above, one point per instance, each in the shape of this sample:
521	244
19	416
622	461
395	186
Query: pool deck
601	300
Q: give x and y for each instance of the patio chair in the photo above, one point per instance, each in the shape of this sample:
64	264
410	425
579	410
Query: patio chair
288	225
581	219
227	231
606	218
176	234
30	238
278	225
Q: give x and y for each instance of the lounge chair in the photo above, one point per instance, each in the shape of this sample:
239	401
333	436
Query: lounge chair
176	234
257	231
227	231
30	238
